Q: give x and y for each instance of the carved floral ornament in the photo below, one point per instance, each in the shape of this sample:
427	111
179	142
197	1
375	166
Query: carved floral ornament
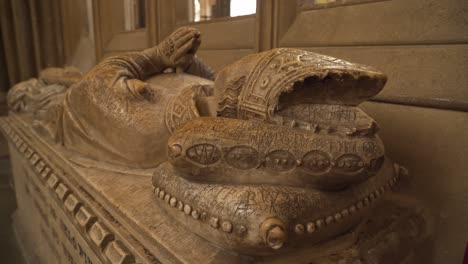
272	156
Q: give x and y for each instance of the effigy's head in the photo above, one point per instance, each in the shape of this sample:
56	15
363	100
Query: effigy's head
288	162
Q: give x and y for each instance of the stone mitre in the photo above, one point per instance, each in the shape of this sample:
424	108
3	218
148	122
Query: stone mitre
288	162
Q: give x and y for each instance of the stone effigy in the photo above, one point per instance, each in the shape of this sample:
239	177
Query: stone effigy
30	96
271	161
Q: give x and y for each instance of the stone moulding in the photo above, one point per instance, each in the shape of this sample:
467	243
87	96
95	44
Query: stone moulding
77	206
105	227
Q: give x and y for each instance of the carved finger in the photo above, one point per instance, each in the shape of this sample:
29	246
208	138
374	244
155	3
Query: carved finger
180	52
196	32
179	32
196	44
185	38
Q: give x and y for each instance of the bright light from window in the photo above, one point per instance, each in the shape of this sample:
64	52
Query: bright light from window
197	10
243	7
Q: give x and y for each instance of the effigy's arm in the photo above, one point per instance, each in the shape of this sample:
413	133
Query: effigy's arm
199	68
176	51
131	69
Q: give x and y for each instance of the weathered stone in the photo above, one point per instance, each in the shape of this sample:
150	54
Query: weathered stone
273	157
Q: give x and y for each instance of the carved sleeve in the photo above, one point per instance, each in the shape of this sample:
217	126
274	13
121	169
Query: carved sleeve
176	51
134	65
199	68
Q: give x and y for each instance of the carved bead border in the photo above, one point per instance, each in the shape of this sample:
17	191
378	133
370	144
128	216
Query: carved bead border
300	229
312	226
214	221
96	231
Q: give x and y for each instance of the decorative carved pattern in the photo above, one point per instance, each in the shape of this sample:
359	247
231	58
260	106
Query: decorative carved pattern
229	98
349	163
205	154
287	154
280	160
278	70
327	119
372	197
294	206
274	73
316	162
182	108
214	221
243	157
168	48
98	234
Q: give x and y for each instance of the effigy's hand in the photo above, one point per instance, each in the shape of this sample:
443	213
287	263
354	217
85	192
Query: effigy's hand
179	48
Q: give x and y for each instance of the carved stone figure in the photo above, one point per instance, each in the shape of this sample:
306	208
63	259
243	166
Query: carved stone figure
112	115
37	94
289	159
272	157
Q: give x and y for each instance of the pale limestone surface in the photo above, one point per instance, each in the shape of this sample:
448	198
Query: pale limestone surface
284	165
